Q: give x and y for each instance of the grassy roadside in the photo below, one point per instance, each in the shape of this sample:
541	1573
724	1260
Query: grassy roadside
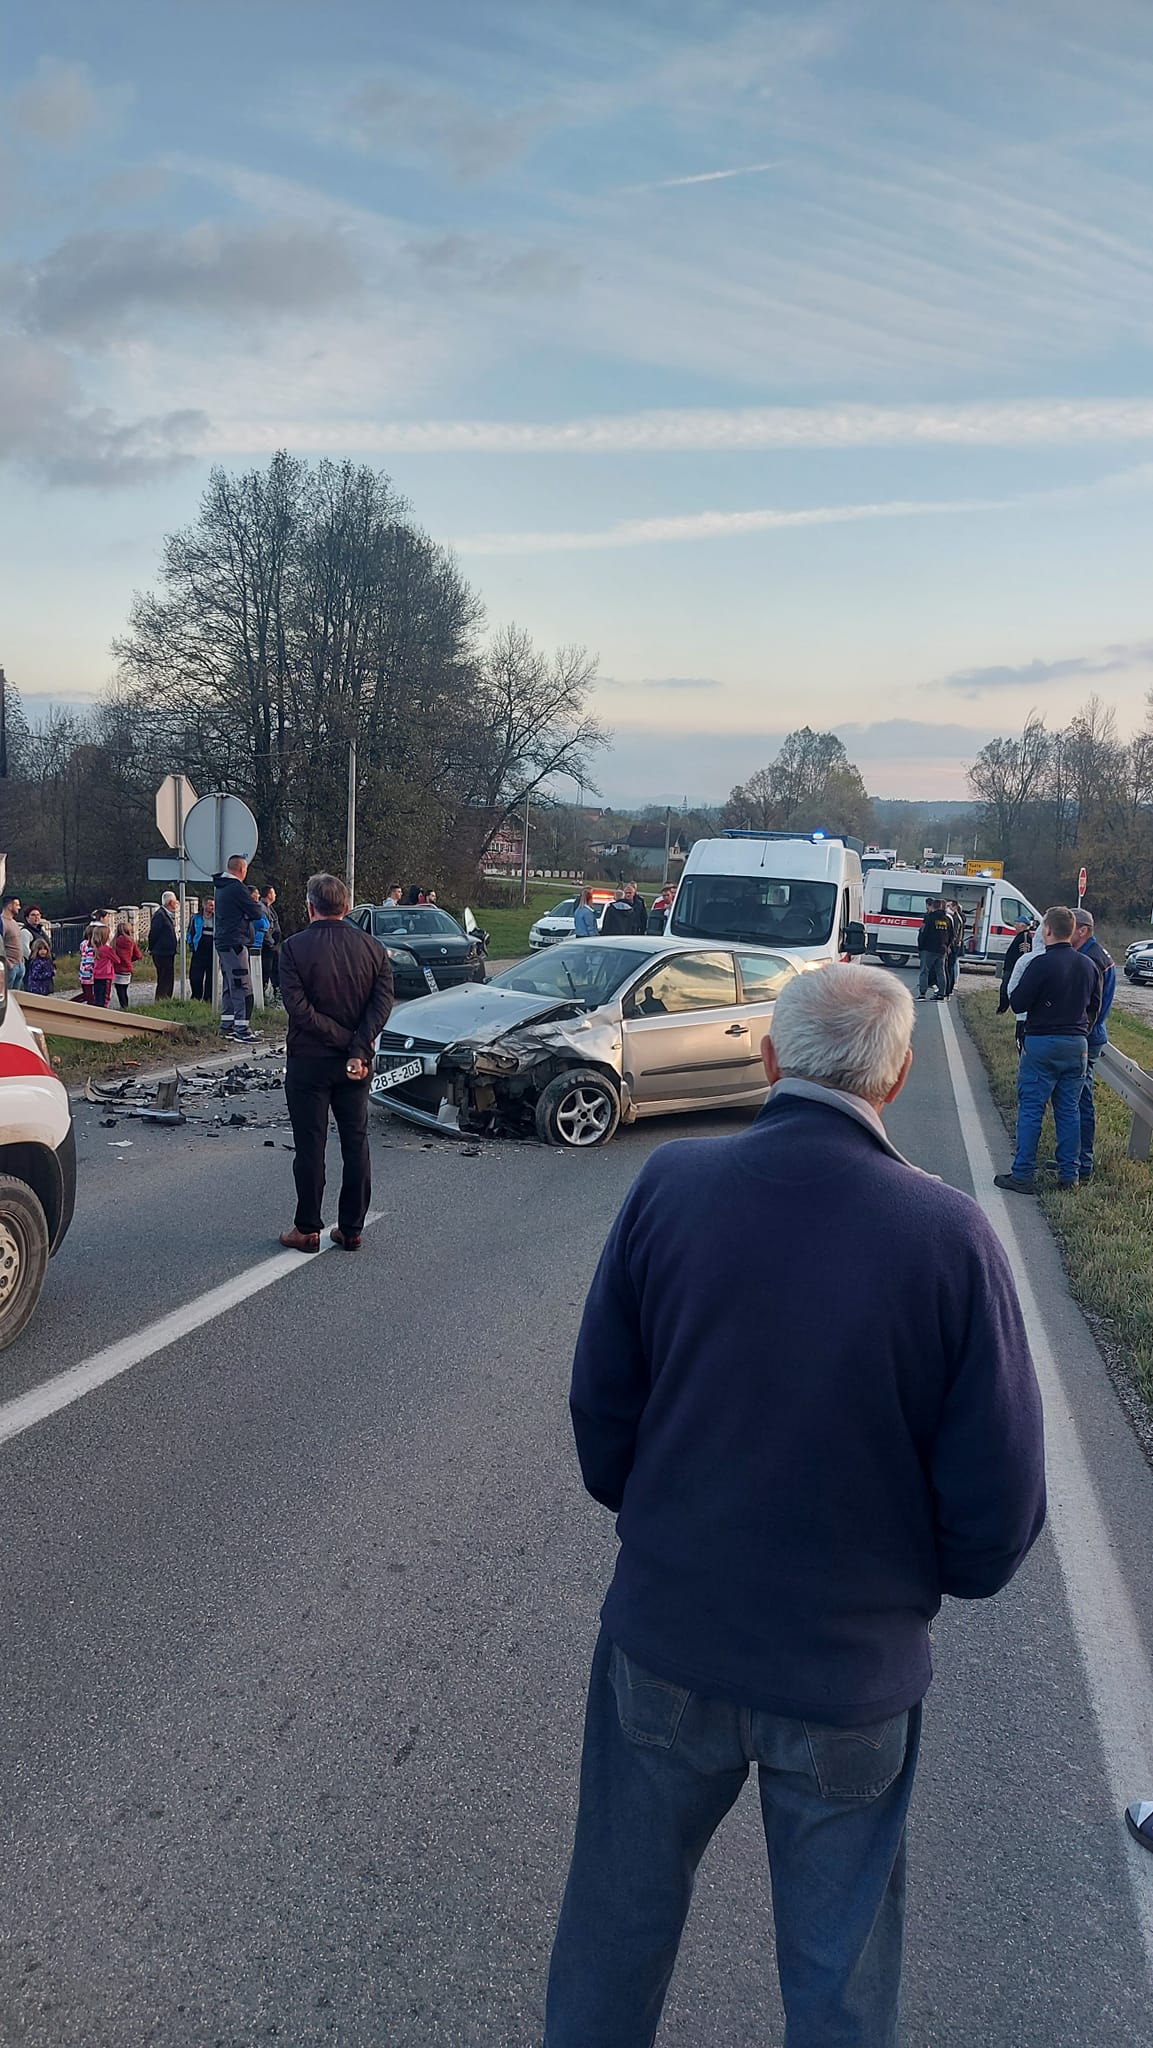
74	1058
1105	1231
508	924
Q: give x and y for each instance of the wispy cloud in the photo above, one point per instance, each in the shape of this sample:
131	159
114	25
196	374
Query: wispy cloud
1049	422
61	105
635	533
974	682
705	177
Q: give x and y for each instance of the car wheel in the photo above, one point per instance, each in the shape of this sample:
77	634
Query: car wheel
23	1256
893	959
579	1110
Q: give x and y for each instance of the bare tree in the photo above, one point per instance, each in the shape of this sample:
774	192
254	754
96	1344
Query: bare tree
531	723
1007	776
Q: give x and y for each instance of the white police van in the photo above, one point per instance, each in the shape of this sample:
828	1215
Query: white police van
799	892
37	1164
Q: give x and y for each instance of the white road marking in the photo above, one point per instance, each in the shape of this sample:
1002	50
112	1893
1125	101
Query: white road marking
1109	1637
53	1395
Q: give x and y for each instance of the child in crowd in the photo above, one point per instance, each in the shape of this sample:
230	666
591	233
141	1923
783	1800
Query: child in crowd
126	952
40	974
103	967
87	964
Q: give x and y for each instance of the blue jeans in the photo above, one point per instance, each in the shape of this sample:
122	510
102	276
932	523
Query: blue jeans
16	976
661	1768
1089	1111
1053	1069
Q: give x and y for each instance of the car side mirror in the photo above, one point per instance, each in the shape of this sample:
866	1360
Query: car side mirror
856	940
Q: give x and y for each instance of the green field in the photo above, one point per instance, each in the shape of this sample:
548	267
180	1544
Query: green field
508	926
74	1058
1105	1231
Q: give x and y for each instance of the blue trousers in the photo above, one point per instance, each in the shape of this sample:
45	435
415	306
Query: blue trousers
1051	1069
661	1768
1089	1112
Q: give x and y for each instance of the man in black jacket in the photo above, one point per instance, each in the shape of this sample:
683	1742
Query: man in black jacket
233	937
933	942
336	985
618	918
1059	995
637	910
162	945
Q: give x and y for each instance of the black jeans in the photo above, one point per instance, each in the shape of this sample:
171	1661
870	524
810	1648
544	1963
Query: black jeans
165	975
313	1086
200	971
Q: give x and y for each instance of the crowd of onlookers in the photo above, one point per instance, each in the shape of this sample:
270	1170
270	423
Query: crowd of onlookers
110	949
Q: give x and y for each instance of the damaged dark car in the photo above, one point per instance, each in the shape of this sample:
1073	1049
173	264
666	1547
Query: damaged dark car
594	1033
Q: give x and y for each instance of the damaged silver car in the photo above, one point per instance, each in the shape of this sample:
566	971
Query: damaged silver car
591	1034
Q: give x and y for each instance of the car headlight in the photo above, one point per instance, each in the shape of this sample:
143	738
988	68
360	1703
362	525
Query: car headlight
401	955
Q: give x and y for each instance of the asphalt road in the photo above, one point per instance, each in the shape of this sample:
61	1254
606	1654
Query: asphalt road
299	1612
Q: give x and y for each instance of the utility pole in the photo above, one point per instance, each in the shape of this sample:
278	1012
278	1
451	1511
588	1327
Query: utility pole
668	833
524	862
350	828
3	727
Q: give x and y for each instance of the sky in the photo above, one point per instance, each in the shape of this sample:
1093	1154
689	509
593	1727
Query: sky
794	359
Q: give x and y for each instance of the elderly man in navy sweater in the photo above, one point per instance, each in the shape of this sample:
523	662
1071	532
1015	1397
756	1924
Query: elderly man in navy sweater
803	1386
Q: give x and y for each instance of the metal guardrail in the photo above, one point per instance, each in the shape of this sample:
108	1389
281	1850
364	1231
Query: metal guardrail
1135	1087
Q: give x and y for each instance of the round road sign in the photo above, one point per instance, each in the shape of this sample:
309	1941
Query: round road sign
1082	882
215	829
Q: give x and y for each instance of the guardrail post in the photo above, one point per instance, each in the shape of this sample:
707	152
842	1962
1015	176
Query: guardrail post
1135	1087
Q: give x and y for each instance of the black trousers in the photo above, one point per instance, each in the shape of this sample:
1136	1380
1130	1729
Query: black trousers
313	1086
165	975
200	971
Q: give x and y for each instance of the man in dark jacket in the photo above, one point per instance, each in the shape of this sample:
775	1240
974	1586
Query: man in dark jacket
1059	996
1020	943
933	942
162	944
336	983
1090	948
232	939
618	918
796	1488
637	910
273	937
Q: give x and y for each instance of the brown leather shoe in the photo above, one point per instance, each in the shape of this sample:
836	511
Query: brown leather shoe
347	1244
295	1240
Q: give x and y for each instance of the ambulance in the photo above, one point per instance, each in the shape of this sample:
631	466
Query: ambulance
895	906
37	1164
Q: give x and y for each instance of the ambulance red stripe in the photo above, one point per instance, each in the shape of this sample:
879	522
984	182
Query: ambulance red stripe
19	1059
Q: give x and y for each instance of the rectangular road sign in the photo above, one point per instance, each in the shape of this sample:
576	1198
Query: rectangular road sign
161	869
985	867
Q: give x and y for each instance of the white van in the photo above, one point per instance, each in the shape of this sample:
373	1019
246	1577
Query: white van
797	891
37	1165
895	907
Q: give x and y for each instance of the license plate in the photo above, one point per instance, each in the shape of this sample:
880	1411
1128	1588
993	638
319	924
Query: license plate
431	980
393	1076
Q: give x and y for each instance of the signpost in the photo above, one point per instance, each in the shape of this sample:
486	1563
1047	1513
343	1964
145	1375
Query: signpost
175	798
1082	885
216	828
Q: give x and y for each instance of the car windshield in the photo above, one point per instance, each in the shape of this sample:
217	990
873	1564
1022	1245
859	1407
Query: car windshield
564	909
420	920
760	910
585	973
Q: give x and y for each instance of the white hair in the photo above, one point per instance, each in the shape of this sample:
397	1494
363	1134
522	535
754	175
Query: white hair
848	1027
170	896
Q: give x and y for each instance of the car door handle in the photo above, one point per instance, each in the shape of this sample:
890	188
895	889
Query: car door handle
735	1030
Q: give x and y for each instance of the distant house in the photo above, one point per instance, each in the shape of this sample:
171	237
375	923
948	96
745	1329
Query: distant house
651	839
506	849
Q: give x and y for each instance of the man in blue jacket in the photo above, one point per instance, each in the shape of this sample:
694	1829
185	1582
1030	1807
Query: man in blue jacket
803	1386
233	937
1090	948
1059	995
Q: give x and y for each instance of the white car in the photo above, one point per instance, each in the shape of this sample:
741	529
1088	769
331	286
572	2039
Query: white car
37	1165
557	923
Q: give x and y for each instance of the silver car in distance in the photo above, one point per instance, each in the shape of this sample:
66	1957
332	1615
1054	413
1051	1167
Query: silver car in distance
593	1033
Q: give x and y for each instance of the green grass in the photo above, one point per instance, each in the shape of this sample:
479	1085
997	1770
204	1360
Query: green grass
75	1058
1104	1232
508	925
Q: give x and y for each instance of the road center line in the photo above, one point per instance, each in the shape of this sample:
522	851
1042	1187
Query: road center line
53	1395
1109	1637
